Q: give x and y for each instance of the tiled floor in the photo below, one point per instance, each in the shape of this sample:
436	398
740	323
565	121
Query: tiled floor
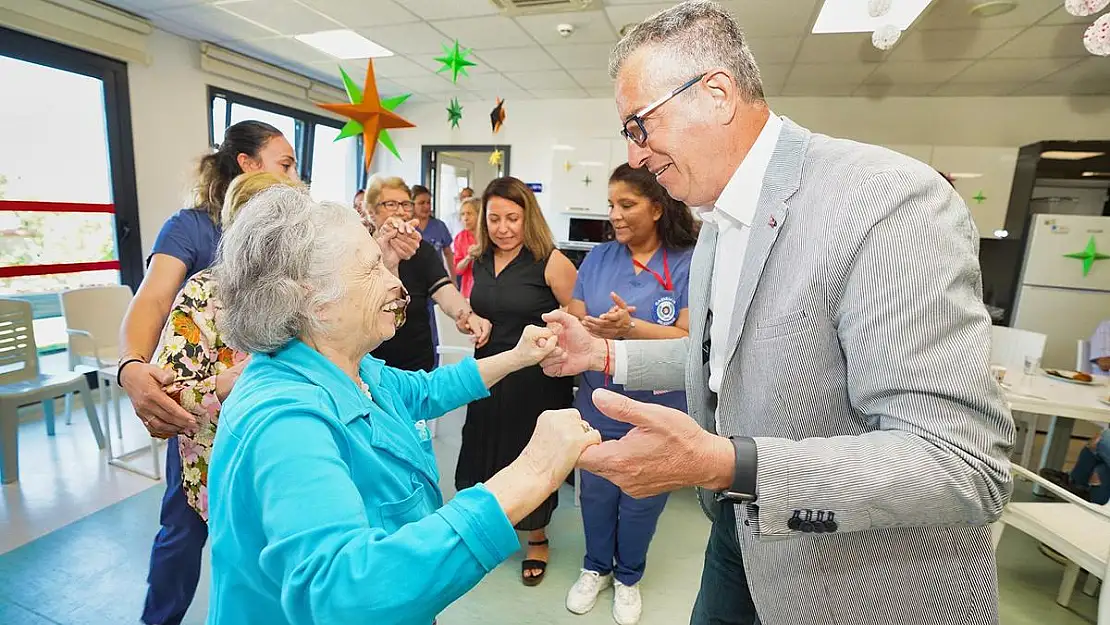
88	568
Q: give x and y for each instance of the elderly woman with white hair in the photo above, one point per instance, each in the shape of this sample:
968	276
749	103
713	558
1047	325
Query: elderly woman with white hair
324	499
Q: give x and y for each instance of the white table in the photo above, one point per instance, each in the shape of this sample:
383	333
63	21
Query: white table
1062	401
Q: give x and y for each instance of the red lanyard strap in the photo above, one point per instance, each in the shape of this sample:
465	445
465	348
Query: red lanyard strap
664	280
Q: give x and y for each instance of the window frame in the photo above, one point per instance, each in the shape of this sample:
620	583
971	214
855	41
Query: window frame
117	114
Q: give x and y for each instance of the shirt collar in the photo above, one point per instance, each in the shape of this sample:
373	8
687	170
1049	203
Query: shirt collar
740	196
350	401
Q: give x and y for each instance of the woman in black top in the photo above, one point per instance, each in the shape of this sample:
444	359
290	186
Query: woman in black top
424	277
519	276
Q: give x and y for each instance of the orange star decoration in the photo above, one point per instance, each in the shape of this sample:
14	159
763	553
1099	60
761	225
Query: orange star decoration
370	114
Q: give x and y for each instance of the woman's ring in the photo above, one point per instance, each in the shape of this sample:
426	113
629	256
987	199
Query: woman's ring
586	427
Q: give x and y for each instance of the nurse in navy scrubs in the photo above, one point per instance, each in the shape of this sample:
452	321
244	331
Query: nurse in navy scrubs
632	288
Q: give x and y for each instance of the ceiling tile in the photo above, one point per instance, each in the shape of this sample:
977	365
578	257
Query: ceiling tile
1087	77
774	76
948	45
592	78
429	62
920	72
364	13
1074	89
281	49
622	15
217	24
485	33
830	73
557	79
494	83
429	84
588	56
804	89
470	96
355	68
1042	42
774	49
598	92
398	67
418	38
518	59
1061	16
1011	70
894	90
839	48
145	7
972	89
589	27
448	9
285	16
951	14
772	18
558	94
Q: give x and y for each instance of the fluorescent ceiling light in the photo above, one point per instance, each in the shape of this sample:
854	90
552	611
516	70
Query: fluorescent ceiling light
964	176
344	44
1060	155
1090	174
851	16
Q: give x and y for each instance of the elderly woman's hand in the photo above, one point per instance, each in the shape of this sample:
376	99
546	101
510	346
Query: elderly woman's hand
535	344
476	326
399	240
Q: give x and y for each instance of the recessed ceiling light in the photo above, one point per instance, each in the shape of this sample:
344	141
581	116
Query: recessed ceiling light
1061	155
1001	234
344	44
993	8
964	176
851	16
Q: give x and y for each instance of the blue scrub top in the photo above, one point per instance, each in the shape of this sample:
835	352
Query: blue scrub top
608	268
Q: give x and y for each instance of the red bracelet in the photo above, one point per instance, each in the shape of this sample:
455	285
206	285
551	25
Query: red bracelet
606	379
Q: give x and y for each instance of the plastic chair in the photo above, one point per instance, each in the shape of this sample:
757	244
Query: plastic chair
22	384
452	346
1010	348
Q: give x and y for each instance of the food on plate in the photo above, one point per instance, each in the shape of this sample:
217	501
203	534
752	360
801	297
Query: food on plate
1082	377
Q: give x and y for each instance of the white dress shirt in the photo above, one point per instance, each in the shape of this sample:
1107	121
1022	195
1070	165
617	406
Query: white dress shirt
732	213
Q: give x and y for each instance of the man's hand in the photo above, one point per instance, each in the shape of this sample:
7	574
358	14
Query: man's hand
163	417
399	240
477	327
578	351
665	451
614	324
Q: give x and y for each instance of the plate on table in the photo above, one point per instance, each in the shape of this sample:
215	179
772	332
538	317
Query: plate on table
1067	376
1105	400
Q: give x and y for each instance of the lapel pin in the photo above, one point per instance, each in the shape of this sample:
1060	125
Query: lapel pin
772	222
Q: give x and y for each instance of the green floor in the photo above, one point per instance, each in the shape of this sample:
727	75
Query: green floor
92	572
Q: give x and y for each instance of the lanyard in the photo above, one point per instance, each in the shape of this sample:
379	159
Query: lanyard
663	280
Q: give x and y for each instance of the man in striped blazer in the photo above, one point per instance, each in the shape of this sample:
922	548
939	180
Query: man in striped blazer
844	429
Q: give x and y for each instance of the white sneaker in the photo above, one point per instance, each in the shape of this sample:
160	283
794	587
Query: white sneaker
627	604
583	594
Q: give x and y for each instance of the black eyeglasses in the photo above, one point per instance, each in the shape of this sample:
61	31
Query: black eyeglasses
394	205
634	129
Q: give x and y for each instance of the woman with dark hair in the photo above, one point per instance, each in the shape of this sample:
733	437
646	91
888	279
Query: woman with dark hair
185	246
634	287
518	276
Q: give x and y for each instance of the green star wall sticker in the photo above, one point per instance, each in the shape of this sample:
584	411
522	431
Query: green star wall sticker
454	113
353	127
455	60
587	180
1089	256
979	197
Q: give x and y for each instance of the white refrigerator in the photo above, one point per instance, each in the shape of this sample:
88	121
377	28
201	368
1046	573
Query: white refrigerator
1064	290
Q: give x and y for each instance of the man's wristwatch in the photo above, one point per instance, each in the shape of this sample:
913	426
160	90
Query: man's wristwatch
743	481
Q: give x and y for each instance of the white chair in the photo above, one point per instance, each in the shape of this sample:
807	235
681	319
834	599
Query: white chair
452	345
1010	348
1077	529
93	317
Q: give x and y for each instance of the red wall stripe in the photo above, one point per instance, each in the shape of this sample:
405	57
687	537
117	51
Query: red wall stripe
56	207
19	271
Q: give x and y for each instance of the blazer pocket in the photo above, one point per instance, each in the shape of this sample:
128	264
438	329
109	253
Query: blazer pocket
781	325
397	514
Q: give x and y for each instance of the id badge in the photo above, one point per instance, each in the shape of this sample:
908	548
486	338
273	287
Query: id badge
665	310
422	431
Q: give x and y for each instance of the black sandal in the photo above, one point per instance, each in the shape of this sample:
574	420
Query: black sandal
528	565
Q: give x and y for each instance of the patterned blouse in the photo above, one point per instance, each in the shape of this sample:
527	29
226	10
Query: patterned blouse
194	350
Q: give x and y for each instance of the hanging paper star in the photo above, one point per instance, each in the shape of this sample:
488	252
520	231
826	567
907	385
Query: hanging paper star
455	60
368	115
497	115
567	166
1089	256
454	113
587	180
979	197
495	157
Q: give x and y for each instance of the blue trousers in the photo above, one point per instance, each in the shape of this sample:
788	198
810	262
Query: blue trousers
724	597
618	528
1090	462
176	554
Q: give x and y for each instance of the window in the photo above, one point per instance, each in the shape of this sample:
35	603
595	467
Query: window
332	169
68	214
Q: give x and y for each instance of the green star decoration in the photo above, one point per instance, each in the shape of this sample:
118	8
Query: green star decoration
352	127
1089	256
454	113
587	180
455	60
979	197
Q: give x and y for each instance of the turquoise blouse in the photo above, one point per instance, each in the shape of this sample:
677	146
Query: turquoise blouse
324	504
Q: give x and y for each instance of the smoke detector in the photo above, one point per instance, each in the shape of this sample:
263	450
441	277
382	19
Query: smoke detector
993	8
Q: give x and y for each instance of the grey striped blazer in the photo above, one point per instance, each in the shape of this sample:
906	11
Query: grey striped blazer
860	365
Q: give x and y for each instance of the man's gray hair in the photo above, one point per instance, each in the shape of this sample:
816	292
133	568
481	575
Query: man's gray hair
277	264
698	35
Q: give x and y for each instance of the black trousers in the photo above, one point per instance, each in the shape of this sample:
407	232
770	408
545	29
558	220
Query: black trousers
724	597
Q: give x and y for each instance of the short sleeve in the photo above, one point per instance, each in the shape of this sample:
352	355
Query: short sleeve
586	272
178	238
444	235
431	265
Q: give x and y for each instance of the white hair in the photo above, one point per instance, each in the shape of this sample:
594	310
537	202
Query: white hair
697	35
277	264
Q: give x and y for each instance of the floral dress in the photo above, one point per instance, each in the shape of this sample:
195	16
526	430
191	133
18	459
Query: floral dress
193	349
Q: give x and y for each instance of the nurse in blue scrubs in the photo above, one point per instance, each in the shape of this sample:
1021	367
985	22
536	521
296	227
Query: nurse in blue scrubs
632	288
